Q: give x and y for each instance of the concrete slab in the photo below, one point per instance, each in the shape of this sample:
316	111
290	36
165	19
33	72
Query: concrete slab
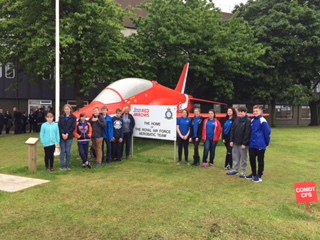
10	183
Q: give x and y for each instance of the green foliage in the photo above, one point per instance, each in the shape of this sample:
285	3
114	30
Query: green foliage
175	32
291	31
91	42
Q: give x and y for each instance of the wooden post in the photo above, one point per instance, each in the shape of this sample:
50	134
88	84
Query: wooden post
32	142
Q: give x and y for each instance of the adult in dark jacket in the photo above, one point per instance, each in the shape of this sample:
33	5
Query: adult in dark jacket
196	134
40	118
98	124
67	125
230	118
17	118
31	119
8	121
24	122
240	141
1	121
128	126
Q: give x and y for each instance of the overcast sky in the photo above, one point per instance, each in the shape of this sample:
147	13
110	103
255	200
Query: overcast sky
227	5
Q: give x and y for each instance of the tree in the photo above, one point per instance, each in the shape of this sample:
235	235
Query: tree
92	45
175	32
291	30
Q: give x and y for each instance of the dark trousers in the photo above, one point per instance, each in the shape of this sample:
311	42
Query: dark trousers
253	154
83	151
228	154
49	156
196	155
23	128
17	127
185	145
35	127
209	146
116	149
106	143
1	127
30	127
126	141
7	129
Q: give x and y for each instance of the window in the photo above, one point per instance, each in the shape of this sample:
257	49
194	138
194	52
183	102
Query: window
34	104
305	112
10	71
0	69
284	112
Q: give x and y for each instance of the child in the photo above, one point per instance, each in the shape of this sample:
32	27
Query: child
230	117
117	136
239	141
210	134
260	139
196	134
183	130
83	133
50	138
108	134
98	124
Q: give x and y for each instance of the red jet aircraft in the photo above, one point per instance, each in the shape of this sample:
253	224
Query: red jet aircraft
129	91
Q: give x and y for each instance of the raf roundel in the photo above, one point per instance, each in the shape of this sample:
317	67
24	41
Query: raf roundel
168	114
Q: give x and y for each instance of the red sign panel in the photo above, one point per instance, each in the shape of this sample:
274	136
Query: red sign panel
306	192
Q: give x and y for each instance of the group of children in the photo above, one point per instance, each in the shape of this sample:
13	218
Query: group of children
240	136
99	129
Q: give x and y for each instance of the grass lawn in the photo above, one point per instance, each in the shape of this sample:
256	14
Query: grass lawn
149	197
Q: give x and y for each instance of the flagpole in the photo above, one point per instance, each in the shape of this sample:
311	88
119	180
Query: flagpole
57	63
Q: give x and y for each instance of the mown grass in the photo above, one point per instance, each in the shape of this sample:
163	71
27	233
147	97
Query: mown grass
149	197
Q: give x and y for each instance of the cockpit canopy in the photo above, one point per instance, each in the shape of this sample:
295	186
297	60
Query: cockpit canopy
127	88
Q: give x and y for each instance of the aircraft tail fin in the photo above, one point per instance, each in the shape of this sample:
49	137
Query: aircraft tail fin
183	79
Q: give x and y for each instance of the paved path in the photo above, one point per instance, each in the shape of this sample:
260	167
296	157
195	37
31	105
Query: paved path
10	183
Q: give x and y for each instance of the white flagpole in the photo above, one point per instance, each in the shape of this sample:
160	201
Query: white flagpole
57	71
57	68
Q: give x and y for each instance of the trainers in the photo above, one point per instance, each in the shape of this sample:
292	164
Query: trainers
257	179
187	163
52	170
227	168
250	177
178	163
211	165
68	168
83	165
98	165
63	168
204	165
232	173
242	175
88	165
48	169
